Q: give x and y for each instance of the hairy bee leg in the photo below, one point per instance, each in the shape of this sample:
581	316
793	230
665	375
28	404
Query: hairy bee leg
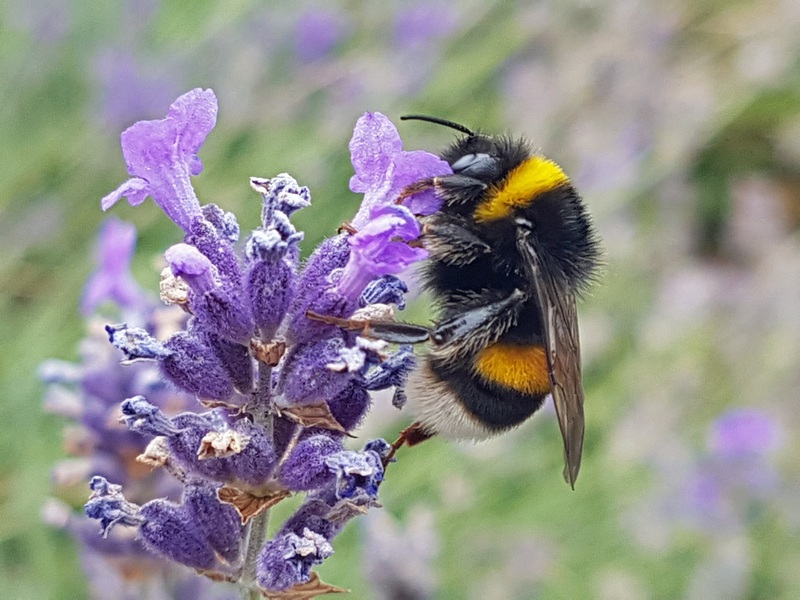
459	189
451	242
394	332
416	188
410	436
454	189
468	322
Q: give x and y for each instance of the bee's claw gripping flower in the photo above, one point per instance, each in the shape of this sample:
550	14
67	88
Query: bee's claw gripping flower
236	297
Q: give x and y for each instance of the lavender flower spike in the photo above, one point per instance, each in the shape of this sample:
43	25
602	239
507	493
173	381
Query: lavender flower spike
285	389
161	156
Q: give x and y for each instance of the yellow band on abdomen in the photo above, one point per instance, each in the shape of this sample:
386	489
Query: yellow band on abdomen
529	179
520	368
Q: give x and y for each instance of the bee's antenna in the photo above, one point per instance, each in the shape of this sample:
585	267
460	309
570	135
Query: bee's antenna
439	121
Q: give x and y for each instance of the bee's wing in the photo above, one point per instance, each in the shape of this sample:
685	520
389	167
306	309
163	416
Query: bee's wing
560	319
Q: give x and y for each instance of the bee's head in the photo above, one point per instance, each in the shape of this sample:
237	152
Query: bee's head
479	156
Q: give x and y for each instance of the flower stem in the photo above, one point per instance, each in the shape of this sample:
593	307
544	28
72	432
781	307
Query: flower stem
255	540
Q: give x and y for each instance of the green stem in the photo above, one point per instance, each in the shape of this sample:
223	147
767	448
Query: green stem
255	540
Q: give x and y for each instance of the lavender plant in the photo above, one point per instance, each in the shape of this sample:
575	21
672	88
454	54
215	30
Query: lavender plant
244	400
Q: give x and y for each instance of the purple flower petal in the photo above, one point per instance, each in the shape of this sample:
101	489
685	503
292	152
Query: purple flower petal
254	465
305	469
373	147
386	289
109	506
219	522
161	157
304	376
376	251
357	473
135	190
195	115
383	169
195	368
145	418
194	268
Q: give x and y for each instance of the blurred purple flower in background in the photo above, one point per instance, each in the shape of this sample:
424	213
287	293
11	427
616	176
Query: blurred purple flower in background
737	471
744	433
113	280
718	495
244	400
416	25
318	32
129	88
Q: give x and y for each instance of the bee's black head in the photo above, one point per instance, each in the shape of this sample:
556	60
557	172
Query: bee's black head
479	156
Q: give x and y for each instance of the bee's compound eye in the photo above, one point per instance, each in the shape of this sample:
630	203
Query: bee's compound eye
474	164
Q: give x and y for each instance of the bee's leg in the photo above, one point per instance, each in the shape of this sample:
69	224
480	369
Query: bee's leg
485	317
453	189
448	240
389	331
410	436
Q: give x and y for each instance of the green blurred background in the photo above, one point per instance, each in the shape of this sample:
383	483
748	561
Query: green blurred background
679	122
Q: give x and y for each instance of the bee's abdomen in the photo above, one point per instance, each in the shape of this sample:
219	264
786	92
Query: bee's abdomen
501	387
521	368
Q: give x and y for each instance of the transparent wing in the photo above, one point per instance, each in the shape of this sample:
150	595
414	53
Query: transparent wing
560	319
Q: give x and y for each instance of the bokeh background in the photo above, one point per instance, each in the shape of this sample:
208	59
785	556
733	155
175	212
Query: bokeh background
680	123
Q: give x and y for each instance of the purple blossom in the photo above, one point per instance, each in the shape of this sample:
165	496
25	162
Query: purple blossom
305	376
195	367
169	530
418	25
161	156
287	560
744	432
145	418
356	473
135	342
113	280
306	468
108	505
380	248
189	264
383	169
386	289
317	33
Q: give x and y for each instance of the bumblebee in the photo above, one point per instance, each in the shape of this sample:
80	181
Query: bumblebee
510	250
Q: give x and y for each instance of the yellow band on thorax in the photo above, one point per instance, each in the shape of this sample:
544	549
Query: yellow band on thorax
528	180
520	368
